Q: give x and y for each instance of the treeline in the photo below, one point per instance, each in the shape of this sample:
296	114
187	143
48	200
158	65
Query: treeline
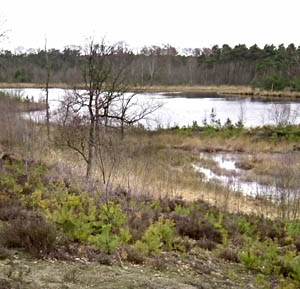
270	67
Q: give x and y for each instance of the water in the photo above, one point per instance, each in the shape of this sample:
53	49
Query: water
182	109
232	177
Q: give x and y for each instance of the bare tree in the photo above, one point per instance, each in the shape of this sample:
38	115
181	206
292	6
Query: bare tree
105	103
47	90
283	113
152	54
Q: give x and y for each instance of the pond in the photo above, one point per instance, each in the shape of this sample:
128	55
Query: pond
182	109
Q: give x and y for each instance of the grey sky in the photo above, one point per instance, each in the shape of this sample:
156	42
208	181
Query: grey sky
188	23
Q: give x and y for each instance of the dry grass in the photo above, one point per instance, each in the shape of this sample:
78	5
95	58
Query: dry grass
155	165
245	144
32	85
225	90
159	164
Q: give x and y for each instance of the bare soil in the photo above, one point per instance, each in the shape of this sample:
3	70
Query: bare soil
200	271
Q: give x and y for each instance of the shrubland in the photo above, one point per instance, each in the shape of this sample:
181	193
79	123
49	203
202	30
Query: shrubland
153	209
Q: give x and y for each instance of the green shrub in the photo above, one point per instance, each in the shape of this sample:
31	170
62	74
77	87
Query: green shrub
160	235
246	228
112	214
8	182
183	211
261	256
76	216
105	226
217	222
249	258
293	228
106	240
137	252
261	282
290	265
19	180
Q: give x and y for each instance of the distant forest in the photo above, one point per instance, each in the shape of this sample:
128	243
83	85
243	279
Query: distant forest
271	67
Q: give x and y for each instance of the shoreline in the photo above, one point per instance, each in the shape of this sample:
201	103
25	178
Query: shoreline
223	90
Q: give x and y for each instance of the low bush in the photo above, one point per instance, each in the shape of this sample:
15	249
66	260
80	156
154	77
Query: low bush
32	233
290	266
195	228
207	244
138	223
229	254
11	209
137	252
160	235
106	240
261	256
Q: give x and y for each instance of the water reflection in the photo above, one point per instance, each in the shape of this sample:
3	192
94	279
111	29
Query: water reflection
231	176
182	109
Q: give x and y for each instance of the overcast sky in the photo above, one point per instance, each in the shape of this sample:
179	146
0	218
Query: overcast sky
181	23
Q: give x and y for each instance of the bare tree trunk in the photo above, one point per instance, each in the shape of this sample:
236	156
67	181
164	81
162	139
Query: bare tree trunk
91	149
47	91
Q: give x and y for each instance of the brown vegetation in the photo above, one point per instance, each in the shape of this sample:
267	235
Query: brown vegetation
223	90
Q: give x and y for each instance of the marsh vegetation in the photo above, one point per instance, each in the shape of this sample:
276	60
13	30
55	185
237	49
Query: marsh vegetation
144	203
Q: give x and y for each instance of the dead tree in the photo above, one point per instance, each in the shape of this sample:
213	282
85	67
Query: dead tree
104	103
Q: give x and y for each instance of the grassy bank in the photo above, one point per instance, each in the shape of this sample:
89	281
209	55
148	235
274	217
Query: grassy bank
15	104
238	91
